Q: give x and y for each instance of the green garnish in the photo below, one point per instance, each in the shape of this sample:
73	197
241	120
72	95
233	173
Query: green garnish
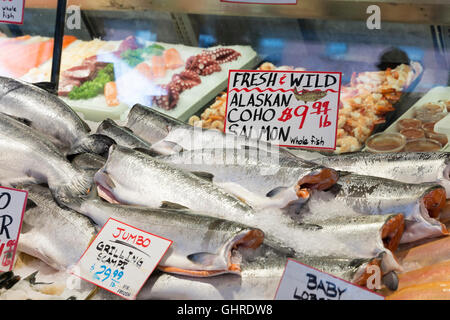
93	88
134	57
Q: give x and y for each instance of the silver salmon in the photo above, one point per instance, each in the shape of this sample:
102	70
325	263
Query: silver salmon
48	114
168	135
202	246
52	234
262	178
133	177
259	280
26	157
408	167
420	203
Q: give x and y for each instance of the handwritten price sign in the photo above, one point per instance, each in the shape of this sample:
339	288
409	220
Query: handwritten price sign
301	282
12	11
12	208
288	108
121	258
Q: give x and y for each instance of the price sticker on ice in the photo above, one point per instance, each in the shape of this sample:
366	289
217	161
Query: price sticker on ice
12	11
262	1
287	108
12	207
301	282
121	258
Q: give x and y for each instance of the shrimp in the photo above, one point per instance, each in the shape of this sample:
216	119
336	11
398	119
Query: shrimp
347	144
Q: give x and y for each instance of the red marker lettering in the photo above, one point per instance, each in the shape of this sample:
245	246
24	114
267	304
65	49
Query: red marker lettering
120	231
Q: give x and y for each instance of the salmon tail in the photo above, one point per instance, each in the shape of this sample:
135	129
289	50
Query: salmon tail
95	143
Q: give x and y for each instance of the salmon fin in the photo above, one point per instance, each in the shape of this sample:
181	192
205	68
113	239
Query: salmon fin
32	279
343	173
30	204
127	129
91	156
50	87
105	124
204	175
203	258
195	273
149	152
172	205
175	147
280	246
109	182
274	192
25	121
310	226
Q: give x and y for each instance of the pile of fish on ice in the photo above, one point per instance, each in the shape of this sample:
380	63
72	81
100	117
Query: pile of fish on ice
235	208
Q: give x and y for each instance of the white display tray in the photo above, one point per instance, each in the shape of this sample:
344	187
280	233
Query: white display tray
191	100
434	95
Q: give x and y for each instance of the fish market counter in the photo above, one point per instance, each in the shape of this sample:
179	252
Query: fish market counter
120	178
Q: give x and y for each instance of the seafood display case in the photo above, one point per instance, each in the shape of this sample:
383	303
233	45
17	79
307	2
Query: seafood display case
139	78
152	46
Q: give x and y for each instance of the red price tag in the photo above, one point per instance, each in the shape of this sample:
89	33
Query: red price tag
12	207
288	108
121	258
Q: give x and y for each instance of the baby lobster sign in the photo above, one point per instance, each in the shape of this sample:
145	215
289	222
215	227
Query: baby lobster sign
288	108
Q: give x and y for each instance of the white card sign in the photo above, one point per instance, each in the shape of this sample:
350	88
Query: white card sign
288	108
11	11
262	1
121	258
12	207
301	282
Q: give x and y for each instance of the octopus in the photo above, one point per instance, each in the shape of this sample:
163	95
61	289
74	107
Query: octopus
202	64
208	62
223	55
186	80
170	97
180	82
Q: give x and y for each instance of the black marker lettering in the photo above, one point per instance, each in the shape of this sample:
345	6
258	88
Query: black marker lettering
311	281
6	221
6	196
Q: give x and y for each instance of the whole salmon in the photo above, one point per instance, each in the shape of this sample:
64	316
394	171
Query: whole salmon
50	115
408	167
